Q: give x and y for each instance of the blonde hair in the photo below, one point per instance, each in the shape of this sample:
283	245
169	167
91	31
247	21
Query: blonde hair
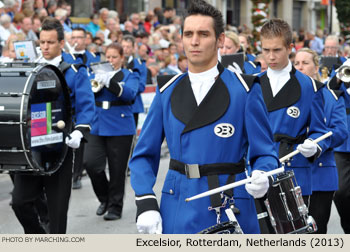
315	59
234	37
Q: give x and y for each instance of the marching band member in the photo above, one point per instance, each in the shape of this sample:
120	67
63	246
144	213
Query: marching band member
111	134
342	157
81	56
324	171
294	106
57	187
193	111
231	46
137	66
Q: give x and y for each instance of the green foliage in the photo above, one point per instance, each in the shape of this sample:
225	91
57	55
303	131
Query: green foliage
260	13
343	11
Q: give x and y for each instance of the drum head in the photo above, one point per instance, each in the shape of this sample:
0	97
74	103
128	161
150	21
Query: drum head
48	103
33	99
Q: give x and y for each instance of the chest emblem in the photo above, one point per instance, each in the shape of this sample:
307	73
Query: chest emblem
224	130
293	112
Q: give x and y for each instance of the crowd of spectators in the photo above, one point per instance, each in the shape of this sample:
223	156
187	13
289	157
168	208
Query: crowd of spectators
157	33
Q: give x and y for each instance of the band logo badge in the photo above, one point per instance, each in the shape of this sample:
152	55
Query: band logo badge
293	112
224	130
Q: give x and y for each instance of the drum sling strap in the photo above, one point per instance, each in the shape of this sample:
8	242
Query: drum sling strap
212	171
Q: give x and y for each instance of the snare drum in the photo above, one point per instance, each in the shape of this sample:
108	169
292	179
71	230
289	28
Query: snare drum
285	205
33	98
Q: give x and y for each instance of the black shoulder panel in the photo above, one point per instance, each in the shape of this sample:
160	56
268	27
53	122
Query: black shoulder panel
250	79
163	79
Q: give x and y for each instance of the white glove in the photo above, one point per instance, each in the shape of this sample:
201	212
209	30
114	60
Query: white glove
259	184
103	79
235	68
308	148
149	222
74	141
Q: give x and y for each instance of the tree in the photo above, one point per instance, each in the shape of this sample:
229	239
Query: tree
343	11
260	13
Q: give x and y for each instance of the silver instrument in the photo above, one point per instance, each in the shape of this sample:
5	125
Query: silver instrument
343	72
99	68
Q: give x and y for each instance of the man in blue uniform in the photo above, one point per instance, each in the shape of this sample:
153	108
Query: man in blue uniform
294	105
137	66
57	187
80	56
208	117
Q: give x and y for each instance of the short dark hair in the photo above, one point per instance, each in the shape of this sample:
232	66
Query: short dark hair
277	27
116	46
129	38
79	29
50	24
201	7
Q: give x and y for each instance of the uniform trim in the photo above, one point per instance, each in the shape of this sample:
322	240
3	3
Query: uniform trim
83	126
245	85
252	63
313	84
145	197
169	83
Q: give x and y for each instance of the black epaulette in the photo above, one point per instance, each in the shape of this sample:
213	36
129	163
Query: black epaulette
247	80
333	83
164	81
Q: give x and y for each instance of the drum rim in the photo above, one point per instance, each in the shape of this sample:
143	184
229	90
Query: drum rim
66	92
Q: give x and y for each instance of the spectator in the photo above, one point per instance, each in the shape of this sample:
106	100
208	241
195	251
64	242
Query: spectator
182	63
171	67
61	15
26	28
5	28
136	24
300	43
36	25
51	8
103	18
93	26
148	22
168	15
128	28
41	12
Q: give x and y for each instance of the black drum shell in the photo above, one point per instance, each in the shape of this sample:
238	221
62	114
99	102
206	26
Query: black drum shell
18	94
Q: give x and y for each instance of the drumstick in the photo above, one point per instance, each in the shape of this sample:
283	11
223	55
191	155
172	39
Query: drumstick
61	126
247	180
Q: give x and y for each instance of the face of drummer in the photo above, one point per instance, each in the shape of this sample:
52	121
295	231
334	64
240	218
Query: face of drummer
305	64
275	52
49	44
113	56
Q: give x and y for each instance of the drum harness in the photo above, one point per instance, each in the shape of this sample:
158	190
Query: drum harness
212	171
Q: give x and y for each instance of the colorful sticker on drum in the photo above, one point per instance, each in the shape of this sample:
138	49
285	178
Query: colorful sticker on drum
41	119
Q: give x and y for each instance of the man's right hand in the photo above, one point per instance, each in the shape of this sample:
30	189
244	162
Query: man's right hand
149	222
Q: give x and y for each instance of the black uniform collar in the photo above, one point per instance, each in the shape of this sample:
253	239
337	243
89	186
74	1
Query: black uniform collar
214	105
287	96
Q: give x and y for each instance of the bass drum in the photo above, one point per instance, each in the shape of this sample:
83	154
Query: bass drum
33	98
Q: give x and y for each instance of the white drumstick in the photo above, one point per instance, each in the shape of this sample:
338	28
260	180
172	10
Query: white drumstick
247	180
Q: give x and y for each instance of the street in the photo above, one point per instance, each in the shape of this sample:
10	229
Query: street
83	204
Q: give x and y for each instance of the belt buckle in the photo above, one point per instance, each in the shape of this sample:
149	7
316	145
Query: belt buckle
192	171
106	105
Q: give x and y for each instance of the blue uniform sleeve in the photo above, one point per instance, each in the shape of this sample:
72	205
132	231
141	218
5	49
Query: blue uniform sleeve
142	70
84	100
262	155
317	124
338	122
126	91
144	163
